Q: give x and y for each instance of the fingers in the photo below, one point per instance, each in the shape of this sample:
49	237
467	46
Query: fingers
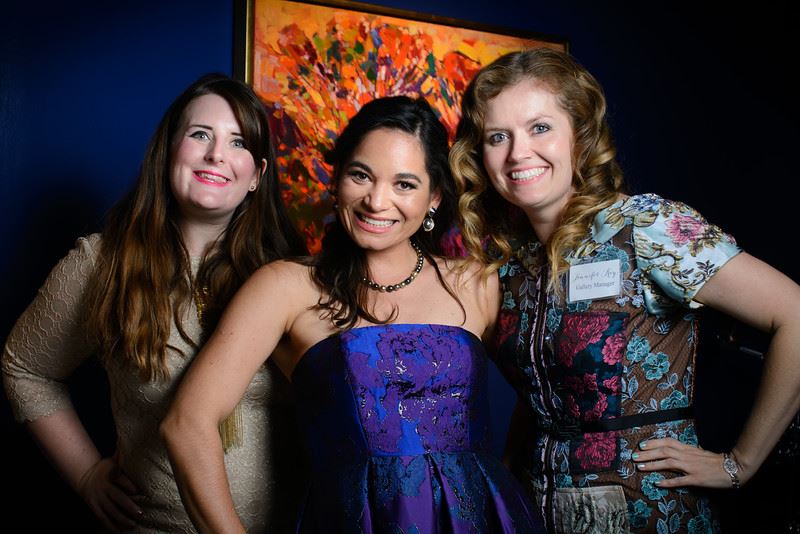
107	515
668	464
124	505
693	465
668	449
112	519
108	492
677	482
123	482
120	509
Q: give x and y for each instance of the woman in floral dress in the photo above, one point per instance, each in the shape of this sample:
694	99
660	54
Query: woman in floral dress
597	331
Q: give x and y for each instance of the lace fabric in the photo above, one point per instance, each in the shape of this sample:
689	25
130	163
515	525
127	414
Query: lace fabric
47	344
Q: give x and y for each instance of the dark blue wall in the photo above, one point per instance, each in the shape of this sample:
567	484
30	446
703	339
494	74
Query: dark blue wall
699	101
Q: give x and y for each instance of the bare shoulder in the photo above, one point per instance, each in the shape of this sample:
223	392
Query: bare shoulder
477	290
282	279
467	274
286	268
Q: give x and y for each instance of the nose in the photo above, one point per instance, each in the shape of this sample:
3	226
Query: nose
519	149
377	198
213	152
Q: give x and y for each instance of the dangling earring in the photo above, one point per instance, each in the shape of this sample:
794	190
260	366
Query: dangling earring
428	223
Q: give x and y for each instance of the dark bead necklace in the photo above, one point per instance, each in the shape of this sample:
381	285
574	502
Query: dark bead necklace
394	287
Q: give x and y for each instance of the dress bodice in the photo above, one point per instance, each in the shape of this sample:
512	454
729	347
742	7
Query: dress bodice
396	423
408	389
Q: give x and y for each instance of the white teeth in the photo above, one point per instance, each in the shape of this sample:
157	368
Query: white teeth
213	178
376	222
527	174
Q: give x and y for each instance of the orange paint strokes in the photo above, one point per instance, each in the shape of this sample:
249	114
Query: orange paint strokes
315	66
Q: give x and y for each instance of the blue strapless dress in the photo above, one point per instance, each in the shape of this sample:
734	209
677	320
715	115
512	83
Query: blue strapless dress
396	422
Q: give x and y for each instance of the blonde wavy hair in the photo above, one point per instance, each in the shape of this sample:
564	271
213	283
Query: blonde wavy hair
597	178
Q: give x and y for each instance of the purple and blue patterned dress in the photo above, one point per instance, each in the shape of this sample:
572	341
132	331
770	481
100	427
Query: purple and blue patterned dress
396	422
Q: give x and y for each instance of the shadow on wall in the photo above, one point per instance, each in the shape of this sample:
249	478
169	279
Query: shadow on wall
40	497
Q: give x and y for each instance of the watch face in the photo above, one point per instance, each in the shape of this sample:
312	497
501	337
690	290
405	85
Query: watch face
730	465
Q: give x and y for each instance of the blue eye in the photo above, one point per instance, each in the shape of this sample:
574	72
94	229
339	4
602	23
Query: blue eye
540	128
496	138
239	143
200	134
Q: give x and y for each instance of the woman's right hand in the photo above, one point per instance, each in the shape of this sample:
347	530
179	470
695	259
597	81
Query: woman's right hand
107	491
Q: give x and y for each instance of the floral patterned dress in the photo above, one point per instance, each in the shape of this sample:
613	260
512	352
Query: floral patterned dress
602	375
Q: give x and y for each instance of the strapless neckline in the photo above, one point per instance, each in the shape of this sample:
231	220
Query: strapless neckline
400	326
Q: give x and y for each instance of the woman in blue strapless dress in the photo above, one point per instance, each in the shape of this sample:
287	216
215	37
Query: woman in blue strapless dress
389	372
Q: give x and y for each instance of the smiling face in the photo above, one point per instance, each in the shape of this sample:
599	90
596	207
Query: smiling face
527	149
383	190
212	170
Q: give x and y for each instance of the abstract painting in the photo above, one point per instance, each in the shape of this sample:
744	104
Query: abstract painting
315	65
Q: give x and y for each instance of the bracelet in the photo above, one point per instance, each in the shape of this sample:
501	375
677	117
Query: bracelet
732	468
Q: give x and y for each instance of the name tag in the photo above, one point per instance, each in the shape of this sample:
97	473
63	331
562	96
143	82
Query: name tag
592	281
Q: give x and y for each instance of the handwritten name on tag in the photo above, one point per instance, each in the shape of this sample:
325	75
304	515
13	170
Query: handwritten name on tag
591	281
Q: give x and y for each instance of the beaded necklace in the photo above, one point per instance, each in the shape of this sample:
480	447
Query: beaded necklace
394	287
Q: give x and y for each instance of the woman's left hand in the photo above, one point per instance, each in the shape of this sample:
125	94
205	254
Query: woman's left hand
695	466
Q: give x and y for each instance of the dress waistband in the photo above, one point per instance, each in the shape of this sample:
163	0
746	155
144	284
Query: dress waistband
566	430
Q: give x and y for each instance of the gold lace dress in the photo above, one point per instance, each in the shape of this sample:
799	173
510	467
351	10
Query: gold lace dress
47	344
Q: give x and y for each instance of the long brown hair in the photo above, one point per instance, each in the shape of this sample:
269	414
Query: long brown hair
142	282
597	178
341	265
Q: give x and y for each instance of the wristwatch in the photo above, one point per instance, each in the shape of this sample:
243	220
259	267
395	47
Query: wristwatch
732	468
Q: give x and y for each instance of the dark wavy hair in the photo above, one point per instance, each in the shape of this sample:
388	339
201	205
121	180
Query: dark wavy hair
341	265
143	281
597	178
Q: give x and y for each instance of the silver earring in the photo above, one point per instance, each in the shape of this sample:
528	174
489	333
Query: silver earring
252	187
428	223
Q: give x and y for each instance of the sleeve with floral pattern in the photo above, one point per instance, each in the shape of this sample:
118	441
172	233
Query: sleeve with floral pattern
677	251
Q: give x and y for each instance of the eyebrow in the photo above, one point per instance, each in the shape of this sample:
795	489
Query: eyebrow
400	175
534	120
360	165
207	127
408	176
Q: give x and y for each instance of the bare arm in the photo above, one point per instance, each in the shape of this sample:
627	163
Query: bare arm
757	294
489	302
66	443
251	327
45	346
98	481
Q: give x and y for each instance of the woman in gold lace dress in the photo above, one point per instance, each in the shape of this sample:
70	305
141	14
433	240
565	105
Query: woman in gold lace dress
204	214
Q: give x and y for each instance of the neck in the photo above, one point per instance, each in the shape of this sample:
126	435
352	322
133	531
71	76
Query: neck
543	230
198	237
545	220
391	266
